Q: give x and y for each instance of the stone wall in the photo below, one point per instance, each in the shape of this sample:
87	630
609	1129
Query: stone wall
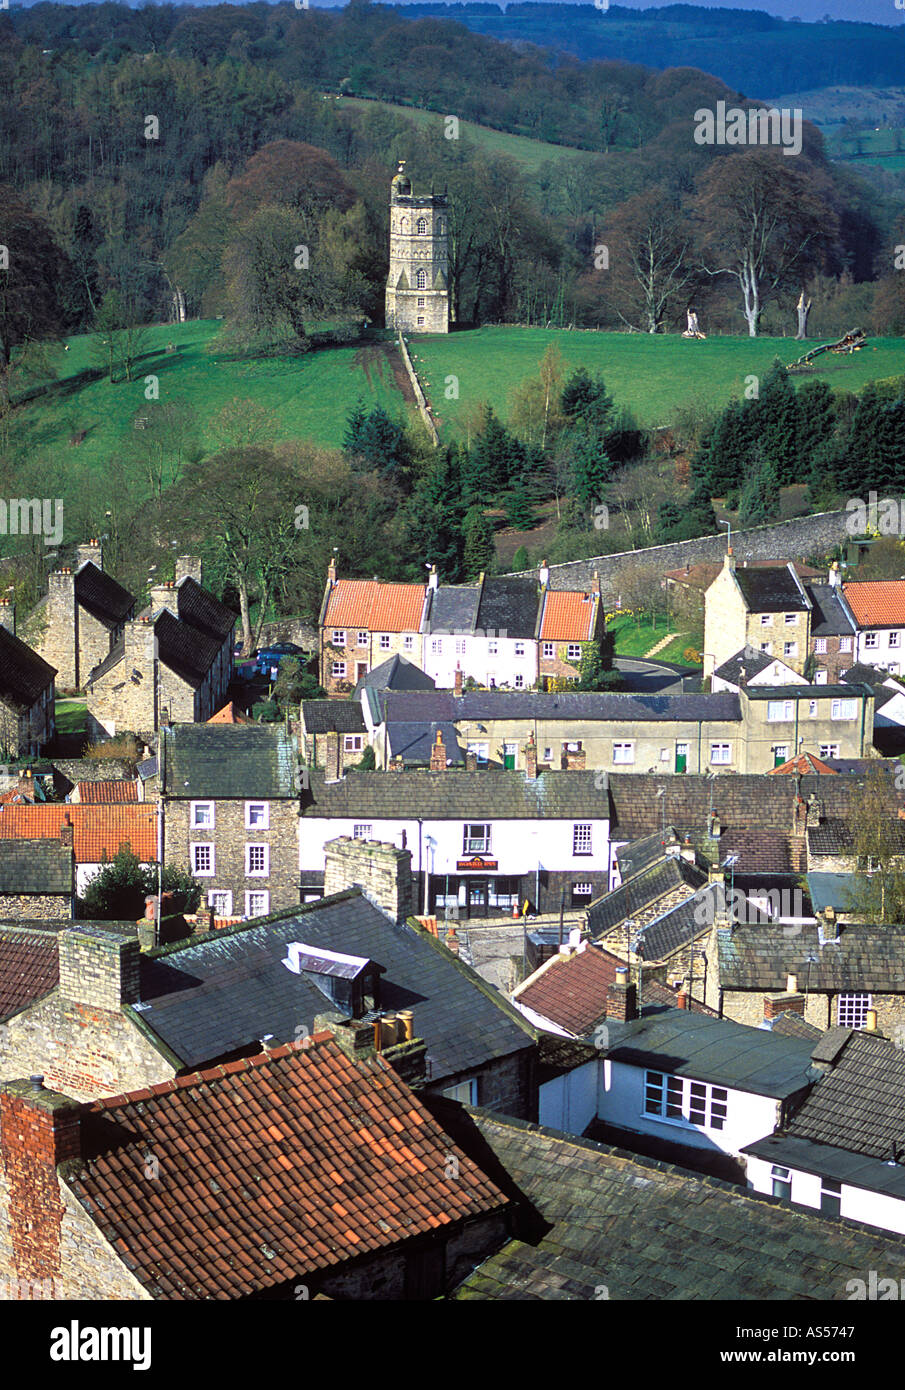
785	540
506	1084
383	873
38	907
229	836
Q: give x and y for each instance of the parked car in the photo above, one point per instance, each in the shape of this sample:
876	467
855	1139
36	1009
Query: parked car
269	658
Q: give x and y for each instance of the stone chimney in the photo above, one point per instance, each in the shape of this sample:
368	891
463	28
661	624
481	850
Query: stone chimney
531	757
99	969
392	1035
331	573
67	833
835	575
8	612
543	574
471	760
438	755
622	997
41	1129
26	785
90	550
333	769
814	813
457	681
163	595
432	578
61	641
788	1001
188	567
574	760
382	872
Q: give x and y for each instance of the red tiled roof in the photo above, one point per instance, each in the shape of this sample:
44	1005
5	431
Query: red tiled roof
877	602
229	714
98	831
804	762
270	1168
370	605
571	990
116	790
29	968
567	617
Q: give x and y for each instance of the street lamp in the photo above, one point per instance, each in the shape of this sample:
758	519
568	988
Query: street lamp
728	525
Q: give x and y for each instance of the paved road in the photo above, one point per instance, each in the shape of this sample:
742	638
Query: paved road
653	677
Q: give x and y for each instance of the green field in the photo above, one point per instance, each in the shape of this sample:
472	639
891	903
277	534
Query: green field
310	396
531	154
71	716
649	374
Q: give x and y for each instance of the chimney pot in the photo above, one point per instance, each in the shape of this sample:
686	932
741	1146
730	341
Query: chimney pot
870	1025
792	984
37	1081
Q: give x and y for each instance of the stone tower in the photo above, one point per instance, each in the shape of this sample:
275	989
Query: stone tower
417	286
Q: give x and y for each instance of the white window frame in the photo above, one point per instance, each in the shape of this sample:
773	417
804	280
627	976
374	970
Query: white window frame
466	1092
844	709
851	1008
894	639
338	671
362	639
226	896
261	824
717	750
820	646
680	1100
573	651
361	831
624	752
353	743
383	641
582	839
199	824
518	681
828	750
493	647
520	649
781	1178
436	646
790	648
257	873
408	642
548	650
481	752
871	639
785	717
767	648
257	893
845	644
790	618
196	845
476	844
765	619
339	637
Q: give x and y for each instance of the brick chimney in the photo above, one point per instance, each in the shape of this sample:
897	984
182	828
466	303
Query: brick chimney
457	681
788	1001
438	755
26	785
188	567
333	769
67	833
39	1129
382	872
531	757
99	969
622	997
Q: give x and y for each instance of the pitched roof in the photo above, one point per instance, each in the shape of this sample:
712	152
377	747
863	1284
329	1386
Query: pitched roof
769	590
29	967
112	789
571	990
36	867
373	606
98	831
186	650
228	761
877	602
229	714
828	617
643	889
329	716
454	608
592	1216
804	762
613	707
567	616
639	855
413	742
508	606
868	958
24	676
201	610
489	793
101	596
207	998
395	674
680	924
274	1167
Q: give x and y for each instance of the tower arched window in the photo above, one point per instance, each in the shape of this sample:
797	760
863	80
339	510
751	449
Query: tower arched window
421	226
421	280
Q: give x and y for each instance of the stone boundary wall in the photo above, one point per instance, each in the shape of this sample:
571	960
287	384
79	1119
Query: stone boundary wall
781	541
423	407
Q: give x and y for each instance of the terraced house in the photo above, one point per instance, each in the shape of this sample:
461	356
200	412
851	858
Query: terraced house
81	618
230	797
364	622
27	686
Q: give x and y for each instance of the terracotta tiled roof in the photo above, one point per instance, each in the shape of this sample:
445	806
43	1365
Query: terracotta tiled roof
272	1168
116	790
567	617
29	967
805	762
877	602
368	604
571	990
229	714
98	831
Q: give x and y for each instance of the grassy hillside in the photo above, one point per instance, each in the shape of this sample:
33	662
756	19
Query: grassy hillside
310	396
651	375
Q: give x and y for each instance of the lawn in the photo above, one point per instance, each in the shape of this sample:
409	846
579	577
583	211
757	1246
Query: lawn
632	639
650	374
71	717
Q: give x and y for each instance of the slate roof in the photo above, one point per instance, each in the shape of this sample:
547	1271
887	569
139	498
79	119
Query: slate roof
854	1119
571	990
101	596
29	967
680	924
36	866
877	602
808	692
227	761
866	958
98	831
186	650
332	716
491	794
274	1167
717	1050
567	616
750	658
413	742
791	1025
198	607
509	606
24	676
641	890
540	704
763	851
454	608
75	770
863	674
208	998
639	855
769	590
395	674
374	606
828	617
591	1216
839	891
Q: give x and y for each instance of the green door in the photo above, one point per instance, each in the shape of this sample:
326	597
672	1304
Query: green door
681	757
510	752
